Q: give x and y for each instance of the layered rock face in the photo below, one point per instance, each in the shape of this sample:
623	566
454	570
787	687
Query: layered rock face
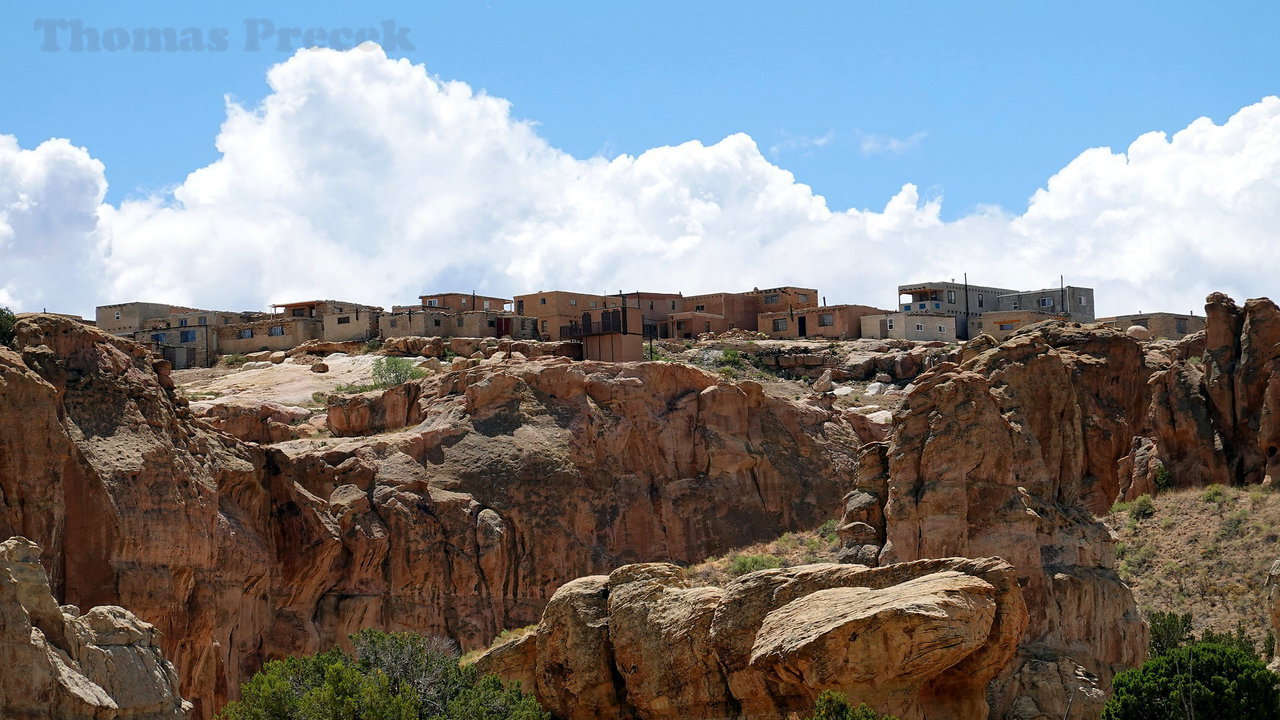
1006	455
920	640
61	665
513	478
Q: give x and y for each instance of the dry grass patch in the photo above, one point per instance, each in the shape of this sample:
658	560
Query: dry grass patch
798	548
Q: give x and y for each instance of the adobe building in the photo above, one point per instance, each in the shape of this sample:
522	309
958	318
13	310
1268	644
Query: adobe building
655	308
611	334
910	326
460	302
787	297
188	338
966	303
713	312
1172	326
830	322
340	320
127	318
556	309
429	322
276	332
1000	324
961	301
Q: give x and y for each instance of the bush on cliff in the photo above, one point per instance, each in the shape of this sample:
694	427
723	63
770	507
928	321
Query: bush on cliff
398	676
390	371
832	705
1201	680
7	321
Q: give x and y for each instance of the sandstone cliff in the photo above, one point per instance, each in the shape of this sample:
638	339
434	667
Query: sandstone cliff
61	665
920	640
499	483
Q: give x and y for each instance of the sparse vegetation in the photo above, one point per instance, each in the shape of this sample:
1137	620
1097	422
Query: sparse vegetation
371	346
743	564
1164	478
832	705
320	397
234	361
1215	494
390	371
398	676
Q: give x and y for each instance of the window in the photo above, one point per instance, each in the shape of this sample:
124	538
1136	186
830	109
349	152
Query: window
544	326
650	304
1080	300
245	334
182	322
433	302
951	296
937	306
923	306
437	322
706	326
298	312
699	308
942	329
117	314
770	299
779	324
226	321
1180	325
393	322
906	307
595	304
277	331
802	297
344	320
826	320
187	336
933	294
679	325
459	321
1046	302
157	337
202	321
574	301
542	301
1016	305
979	299
1006	326
1140	321
919	327
486	304
890	324
673	304
492	323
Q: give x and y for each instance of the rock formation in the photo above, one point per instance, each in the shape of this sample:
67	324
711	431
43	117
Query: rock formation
920	640
61	665
499	483
1006	455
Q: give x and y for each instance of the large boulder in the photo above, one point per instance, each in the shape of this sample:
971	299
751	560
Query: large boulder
920	640
61	665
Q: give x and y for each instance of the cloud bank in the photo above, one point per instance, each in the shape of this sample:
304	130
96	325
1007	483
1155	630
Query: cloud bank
364	178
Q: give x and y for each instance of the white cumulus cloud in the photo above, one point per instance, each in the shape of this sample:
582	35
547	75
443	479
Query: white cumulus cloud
364	178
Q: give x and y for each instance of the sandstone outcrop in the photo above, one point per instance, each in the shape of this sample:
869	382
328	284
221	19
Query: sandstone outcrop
259	422
920	640
61	665
1008	455
512	478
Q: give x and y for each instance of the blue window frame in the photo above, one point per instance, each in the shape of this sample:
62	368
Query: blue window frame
187	336
157	337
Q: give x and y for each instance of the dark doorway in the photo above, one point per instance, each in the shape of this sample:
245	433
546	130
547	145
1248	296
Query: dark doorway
801	328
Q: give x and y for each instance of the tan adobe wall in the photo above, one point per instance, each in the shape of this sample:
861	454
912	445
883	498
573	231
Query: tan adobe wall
1173	326
1003	323
833	322
295	332
463	301
132	316
902	326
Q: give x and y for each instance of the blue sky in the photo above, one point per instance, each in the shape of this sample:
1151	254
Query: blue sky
998	95
672	146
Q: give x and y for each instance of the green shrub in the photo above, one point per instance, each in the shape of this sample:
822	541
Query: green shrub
732	358
832	705
371	346
1215	494
320	397
398	676
234	360
1203	680
1164	478
1142	507
390	371
1239	640
743	564
7	321
828	530
1169	631
653	353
